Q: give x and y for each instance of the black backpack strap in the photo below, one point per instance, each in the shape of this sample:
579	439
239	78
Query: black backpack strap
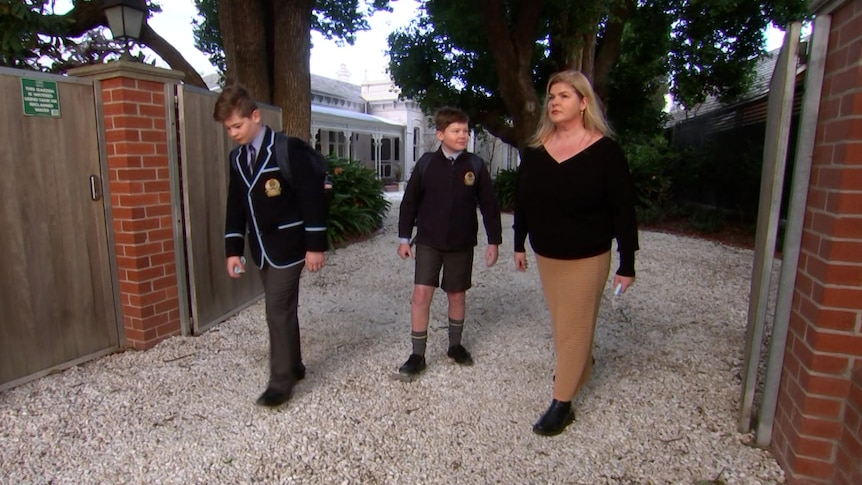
422	166
477	163
281	156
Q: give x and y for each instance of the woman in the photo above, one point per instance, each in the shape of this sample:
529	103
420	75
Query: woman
574	195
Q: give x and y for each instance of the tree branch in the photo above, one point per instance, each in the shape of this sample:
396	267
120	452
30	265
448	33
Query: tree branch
611	45
86	16
493	124
172	56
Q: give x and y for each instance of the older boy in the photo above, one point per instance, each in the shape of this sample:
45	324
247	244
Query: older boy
284	222
441	199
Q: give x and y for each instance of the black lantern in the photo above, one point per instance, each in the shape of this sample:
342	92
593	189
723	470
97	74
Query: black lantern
125	18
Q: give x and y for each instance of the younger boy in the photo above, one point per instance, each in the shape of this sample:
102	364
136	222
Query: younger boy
284	222
440	200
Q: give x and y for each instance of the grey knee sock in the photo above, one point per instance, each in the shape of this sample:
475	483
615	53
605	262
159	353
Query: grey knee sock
419	340
456	328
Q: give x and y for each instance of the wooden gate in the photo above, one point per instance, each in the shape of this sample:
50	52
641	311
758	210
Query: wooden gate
57	305
204	145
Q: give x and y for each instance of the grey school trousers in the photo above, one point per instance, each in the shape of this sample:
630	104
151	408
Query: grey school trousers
281	295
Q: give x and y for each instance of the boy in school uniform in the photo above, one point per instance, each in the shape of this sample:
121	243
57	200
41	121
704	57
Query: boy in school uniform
440	201
284	223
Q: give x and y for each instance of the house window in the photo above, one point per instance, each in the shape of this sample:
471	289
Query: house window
415	144
337	143
386	149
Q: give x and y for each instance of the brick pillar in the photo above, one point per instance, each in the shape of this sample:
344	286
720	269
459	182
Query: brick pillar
136	121
815	431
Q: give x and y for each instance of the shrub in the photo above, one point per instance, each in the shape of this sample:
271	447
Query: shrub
649	160
357	206
723	173
504	188
706	219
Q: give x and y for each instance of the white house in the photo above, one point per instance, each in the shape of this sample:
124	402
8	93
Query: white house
370	124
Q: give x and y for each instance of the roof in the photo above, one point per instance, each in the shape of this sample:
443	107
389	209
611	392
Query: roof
337	89
759	87
353	115
320	85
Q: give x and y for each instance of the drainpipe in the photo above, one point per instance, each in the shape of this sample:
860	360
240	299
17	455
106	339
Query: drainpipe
793	234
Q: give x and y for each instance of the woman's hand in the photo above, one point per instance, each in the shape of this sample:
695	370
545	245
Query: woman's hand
625	281
521	261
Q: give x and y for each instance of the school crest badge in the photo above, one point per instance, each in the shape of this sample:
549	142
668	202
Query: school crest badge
272	187
469	179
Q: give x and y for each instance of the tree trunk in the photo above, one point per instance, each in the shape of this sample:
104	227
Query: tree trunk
512	53
244	41
609	53
291	73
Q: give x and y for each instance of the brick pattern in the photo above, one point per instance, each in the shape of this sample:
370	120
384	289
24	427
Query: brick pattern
848	470
137	150
816	436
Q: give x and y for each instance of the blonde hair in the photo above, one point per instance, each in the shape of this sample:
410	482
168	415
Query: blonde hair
594	115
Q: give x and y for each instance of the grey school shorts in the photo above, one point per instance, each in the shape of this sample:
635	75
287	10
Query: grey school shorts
457	268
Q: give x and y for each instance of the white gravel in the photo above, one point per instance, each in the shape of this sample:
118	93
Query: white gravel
661	407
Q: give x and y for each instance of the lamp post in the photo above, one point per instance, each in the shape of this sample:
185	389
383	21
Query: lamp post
125	19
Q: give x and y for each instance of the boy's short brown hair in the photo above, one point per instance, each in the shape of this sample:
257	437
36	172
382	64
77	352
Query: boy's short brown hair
447	115
234	98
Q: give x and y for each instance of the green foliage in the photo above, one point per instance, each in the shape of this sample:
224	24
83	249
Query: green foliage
207	33
357	207
724	173
706	219
33	37
21	22
442	60
504	188
691	48
342	19
638	82
649	159
705	186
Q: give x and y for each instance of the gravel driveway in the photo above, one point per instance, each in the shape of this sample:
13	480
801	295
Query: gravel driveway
661	407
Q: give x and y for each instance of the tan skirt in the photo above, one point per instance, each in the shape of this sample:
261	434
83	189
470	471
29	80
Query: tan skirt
573	292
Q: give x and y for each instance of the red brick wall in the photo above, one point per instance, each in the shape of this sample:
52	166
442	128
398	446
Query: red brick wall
849	463
137	151
815	437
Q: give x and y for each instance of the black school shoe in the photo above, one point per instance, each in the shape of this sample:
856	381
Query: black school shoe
272	397
556	418
460	355
299	372
414	365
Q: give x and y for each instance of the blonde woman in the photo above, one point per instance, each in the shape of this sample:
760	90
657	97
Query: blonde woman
574	196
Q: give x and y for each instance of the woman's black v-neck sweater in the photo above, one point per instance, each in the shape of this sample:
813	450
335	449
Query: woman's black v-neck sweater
573	209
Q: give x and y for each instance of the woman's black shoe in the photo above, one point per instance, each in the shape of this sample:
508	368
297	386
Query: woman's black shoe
556	418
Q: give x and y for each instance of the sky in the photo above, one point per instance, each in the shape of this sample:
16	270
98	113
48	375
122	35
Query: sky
365	60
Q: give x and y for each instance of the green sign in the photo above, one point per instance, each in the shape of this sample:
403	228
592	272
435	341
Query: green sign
40	98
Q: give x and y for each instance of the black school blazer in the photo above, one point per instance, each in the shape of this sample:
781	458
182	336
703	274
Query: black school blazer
280	221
